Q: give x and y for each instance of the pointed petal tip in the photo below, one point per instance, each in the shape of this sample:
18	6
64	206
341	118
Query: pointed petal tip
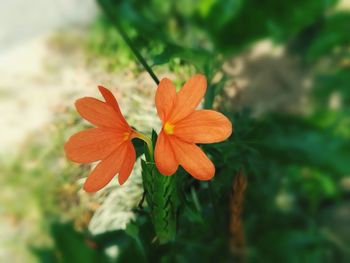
165	79
106	94
165	98
121	181
165	172
99	113
189	97
227	128
164	156
102	89
80	100
200	76
68	150
89	188
193	159
206	175
230	131
169	173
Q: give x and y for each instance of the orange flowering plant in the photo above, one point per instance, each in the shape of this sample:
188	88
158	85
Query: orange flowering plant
109	142
182	128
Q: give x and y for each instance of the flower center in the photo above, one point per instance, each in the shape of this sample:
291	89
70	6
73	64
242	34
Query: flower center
126	136
168	128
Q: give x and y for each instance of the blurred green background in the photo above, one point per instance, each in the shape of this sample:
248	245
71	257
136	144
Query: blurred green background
279	69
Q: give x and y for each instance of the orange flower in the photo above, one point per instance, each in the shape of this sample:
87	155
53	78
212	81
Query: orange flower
110	142
183	127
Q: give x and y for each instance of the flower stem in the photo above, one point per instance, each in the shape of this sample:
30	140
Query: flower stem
146	139
107	8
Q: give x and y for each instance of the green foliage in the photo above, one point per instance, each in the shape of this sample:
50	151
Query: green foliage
333	34
192	26
103	41
290	184
295	164
334	82
293	174
69	246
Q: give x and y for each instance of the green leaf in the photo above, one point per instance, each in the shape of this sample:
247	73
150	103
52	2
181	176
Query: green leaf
198	57
333	34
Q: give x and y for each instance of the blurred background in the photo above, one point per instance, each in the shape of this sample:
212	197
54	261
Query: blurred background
279	69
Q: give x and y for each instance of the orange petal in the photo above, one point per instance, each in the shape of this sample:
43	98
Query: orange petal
106	170
165	98
92	145
188	98
99	113
192	159
111	100
164	155
203	126
128	163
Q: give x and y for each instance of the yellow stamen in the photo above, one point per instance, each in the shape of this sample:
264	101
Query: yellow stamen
126	136
168	128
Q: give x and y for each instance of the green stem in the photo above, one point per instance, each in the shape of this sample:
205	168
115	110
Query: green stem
107	8
146	139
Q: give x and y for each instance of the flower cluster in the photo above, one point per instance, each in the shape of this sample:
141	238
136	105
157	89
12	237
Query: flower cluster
182	127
